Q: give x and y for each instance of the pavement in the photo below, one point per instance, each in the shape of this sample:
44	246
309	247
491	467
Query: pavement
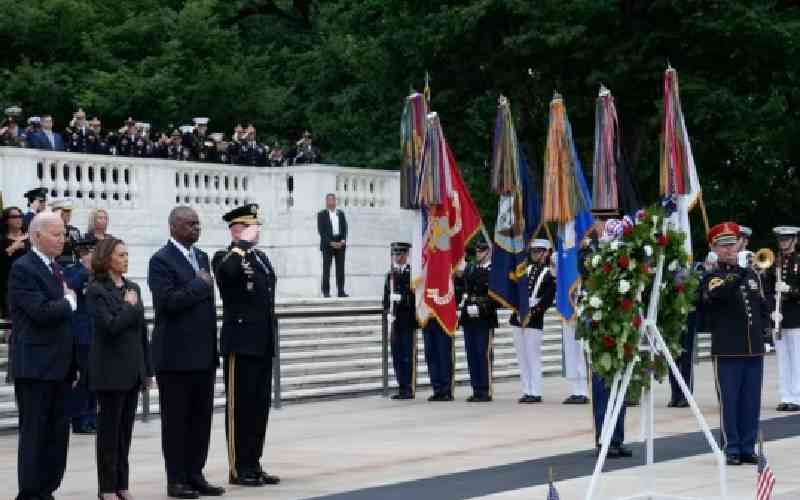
374	448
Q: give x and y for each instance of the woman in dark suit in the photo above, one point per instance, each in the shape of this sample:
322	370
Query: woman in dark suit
119	361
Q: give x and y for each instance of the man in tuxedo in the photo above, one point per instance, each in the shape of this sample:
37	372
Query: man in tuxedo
332	228
41	309
184	348
46	138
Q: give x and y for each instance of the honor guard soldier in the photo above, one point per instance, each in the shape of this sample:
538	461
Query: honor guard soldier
400	308
246	283
735	311
202	146
72	233
175	149
37	202
249	152
528	338
10	132
77	134
81	402
785	285
127	138
479	319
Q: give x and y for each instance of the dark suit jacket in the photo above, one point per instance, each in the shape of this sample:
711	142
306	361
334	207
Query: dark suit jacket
119	358
39	140
77	278
185	331
247	286
325	229
41	317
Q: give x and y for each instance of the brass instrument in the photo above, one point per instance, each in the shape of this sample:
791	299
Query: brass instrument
764	259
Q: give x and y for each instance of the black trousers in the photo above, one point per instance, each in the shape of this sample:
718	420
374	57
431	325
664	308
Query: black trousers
81	402
440	356
43	436
248	388
113	443
404	356
684	361
187	403
601	394
478	336
329	255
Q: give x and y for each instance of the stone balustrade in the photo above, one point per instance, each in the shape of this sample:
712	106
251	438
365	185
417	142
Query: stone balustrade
138	194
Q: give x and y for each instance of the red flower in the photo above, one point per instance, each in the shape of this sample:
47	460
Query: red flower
607	267
680	287
627	231
663	240
623	261
628	350
608	341
637	321
626	304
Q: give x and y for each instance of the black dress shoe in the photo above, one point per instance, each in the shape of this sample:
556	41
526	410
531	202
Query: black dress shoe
535	399
440	397
247	479
751	458
672	404
523	399
402	396
621	451
632	403
269	478
326	295
575	399
734	460
782	407
205	488
792	407
180	490
682	404
342	295
82	429
479	399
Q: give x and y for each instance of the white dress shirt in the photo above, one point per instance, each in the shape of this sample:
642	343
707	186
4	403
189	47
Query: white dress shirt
189	253
334	222
73	304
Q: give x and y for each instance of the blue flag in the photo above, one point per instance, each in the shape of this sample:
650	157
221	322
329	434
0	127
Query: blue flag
518	216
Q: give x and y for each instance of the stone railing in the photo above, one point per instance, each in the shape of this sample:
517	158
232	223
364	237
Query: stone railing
138	194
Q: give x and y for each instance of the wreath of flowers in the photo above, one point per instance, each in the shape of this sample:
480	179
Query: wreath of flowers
613	303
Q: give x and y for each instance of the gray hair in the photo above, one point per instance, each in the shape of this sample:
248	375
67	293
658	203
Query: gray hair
179	212
40	222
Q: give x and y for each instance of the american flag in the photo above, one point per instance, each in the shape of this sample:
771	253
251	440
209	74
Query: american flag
766	479
552	494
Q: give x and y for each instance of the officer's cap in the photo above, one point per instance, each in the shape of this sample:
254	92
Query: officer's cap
746	231
246	214
482	244
34	120
36	194
400	247
540	243
200	121
726	233
307	134
217	136
63	204
786	231
186	129
13	111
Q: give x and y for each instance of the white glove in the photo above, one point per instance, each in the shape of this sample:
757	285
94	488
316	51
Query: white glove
776	316
782	287
533	301
395	297
743	259
389	319
473	311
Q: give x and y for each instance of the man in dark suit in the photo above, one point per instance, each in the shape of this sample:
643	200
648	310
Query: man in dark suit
41	308
332	228
46	138
246	282
184	348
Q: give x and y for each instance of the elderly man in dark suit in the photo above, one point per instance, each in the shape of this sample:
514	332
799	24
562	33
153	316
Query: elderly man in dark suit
332	228
184	349
41	308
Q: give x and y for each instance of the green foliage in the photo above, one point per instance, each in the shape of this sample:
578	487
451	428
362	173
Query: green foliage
342	68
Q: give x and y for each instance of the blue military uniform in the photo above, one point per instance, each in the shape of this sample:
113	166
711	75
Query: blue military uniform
736	313
81	402
398	301
33	195
478	327
694	324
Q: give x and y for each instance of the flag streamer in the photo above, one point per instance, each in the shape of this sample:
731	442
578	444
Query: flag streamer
412	135
607	154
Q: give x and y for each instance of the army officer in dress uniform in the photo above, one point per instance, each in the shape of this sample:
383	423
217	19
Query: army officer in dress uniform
399	305
735	311
787	339
246	283
479	319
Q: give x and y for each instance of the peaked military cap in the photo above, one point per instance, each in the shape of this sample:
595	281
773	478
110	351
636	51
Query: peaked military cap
540	243
482	244
246	214
400	247
63	204
786	231
200	121
36	194
726	233
746	231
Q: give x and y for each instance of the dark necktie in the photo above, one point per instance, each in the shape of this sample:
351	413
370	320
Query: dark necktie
57	272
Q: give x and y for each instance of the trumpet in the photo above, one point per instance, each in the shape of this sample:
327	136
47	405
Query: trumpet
763	259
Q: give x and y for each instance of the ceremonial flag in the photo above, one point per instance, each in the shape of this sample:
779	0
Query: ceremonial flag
449	220
567	202
517	217
412	134
766	479
678	173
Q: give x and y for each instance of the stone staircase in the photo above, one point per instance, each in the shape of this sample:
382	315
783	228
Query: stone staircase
333	348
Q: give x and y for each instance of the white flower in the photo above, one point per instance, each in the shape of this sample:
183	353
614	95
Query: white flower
615	245
632	264
648	250
624	286
683	310
595	301
595	261
673	266
597	316
579	310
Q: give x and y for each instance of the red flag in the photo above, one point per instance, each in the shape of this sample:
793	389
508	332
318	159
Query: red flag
449	224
